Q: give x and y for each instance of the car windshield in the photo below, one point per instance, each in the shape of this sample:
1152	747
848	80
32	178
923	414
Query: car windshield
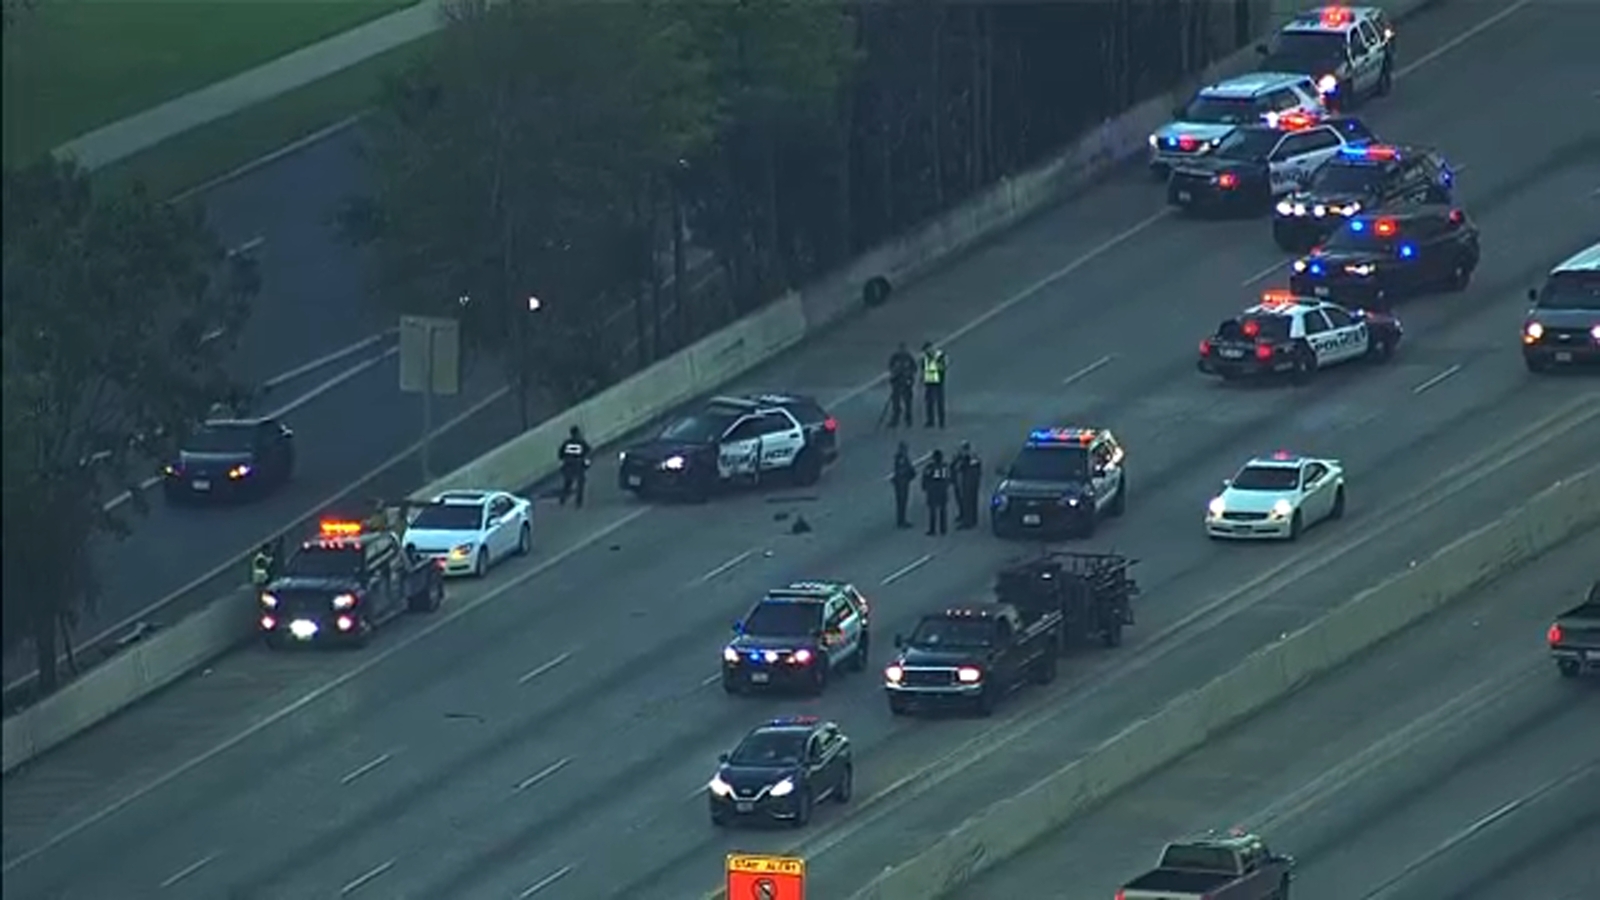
782	619
1222	110
221	438
1059	463
317	561
1361	237
777	747
1249	143
1267	328
1571	290
1347	179
449	517
1266	478
701	428
955	634
1323	48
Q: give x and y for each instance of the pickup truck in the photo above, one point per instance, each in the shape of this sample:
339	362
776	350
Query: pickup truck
1236	867
1574	637
973	656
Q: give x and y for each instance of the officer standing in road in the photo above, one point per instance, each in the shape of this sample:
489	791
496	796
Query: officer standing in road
933	371
936	488
574	457
905	472
265	563
968	472
902	374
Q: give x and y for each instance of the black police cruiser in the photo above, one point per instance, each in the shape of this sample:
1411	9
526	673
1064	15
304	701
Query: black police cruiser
1297	336
796	636
1563	326
781	771
1360	177
230	458
1256	163
733	440
1062	481
343	584
1374	258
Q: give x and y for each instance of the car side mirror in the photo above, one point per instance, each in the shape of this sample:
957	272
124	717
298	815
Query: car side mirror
738	626
1177	112
722	757
899	641
1000	471
1227	482
1261	49
1533	295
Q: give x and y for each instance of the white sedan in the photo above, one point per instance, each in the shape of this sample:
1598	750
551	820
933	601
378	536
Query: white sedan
470	531
1276	498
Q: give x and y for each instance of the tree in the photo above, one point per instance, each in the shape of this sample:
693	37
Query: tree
108	301
511	164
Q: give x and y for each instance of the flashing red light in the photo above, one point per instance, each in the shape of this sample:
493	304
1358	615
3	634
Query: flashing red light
339	529
268	623
1263	351
344	623
1457	216
1227	181
830	424
1251	328
1205	348
1554	635
1335	16
1277	297
1385	228
1187	143
1296	121
1282	455
1121	894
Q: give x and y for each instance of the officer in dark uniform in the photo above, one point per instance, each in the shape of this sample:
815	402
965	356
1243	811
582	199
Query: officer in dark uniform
968	472
905	472
936	488
902	374
574	457
934	365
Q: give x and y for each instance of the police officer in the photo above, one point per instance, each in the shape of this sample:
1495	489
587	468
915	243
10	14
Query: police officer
968	472
936	488
905	472
264	563
574	457
933	371
902	374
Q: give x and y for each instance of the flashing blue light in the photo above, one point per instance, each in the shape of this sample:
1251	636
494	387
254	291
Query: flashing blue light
1358	225
795	720
1059	435
1407	251
1316	268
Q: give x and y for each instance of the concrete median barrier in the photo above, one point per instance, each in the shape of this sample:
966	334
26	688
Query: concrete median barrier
1564	510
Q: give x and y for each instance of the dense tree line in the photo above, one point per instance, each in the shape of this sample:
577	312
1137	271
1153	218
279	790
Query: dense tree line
118	312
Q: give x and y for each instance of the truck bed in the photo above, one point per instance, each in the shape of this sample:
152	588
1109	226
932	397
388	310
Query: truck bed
1174	881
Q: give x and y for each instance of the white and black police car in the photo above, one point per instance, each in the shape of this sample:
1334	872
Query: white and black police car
1200	125
1296	336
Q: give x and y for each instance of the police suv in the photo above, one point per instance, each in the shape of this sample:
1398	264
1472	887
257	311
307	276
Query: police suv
1063	480
1297	336
1377	258
1359	177
1349	50
1199	126
733	440
1256	164
796	636
1563	325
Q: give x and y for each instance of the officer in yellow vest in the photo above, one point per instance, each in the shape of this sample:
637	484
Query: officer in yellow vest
933	371
262	564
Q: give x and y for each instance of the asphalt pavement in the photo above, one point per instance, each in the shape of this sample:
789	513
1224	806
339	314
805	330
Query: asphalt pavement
1449	763
553	728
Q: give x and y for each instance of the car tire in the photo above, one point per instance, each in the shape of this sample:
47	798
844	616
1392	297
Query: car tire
1381	349
1337	512
807	468
1460	277
898	707
1568	668
1091	522
847	786
1046	669
1296	525
986	702
858	661
718	820
1113	633
363	635
1120	504
1385	80
1536	365
480	566
525	540
819	677
731	687
429	600
1305	366
802	814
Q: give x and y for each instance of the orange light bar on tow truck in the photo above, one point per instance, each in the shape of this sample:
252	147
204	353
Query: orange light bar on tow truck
338	529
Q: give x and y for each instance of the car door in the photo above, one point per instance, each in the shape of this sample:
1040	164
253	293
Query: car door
816	764
837	637
1350	335
1432	248
738	452
781	440
1319	334
1373	59
1316	498
1101	475
502	531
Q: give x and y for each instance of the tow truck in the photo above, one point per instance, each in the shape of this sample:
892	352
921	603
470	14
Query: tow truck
344	582
1237	866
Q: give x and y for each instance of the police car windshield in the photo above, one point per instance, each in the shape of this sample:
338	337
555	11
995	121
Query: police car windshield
1341	179
1051	463
1266	478
1248	143
1222	110
778	747
1571	290
449	517
702	428
317	561
955	634
220	438
783	619
1315	47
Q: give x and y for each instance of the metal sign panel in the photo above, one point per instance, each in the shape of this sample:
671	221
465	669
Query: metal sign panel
758	877
430	345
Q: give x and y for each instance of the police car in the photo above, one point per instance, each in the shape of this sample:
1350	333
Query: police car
796	636
1563	326
1277	498
1349	50
467	532
1063	480
1359	177
733	440
1297	336
1199	126
1377	257
780	771
1256	164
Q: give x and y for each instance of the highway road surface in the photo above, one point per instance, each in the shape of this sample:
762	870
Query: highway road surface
549	733
1450	763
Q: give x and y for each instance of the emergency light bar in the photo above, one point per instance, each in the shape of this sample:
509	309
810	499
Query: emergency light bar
338	528
1335	16
1061	435
1382	152
1290	121
1278	297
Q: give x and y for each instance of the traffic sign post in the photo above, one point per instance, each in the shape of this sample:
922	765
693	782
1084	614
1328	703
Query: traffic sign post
758	877
430	363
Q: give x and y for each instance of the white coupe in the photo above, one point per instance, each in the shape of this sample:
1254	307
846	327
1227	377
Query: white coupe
470	531
1276	498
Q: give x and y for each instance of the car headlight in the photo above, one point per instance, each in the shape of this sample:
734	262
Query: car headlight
1361	269
1217	507
730	655
622	457
1348	209
269	601
1534	331
1319	210
999	502
1282	509
783	788
1594	333
1154	142
1327	84
461	551
719	787
344	601
673	463
800	657
1299	265
1068	501
894	674
969	674
1285	208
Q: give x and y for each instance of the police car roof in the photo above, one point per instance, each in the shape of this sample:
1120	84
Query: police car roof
1281	459
1335	19
1062	436
981	610
233	423
791	595
462	498
1585	260
1251	85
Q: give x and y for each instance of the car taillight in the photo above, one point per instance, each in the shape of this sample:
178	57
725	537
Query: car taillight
1122	894
1227	181
1554	635
830	424
1263	351
1205	348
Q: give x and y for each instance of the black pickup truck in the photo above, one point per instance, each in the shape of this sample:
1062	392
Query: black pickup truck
1574	637
1235	867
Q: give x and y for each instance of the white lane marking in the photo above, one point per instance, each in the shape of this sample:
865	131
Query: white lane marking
541	775
1460	39
1436	380
709	680
366	665
1264	274
1090	369
535	673
327	359
366	767
993	312
332	383
213	334
545	882
261	162
124	497
188	870
906	569
725	567
361	880
249	246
